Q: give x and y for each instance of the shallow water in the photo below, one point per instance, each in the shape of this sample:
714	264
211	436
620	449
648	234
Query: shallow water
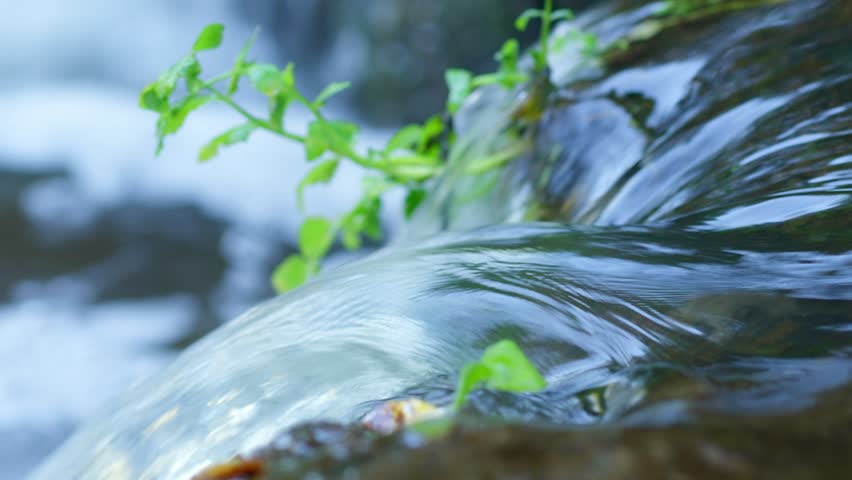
697	258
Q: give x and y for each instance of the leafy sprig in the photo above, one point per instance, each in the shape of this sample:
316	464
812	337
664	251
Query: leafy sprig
408	160
547	16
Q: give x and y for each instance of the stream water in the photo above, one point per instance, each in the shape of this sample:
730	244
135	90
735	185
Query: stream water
692	254
112	260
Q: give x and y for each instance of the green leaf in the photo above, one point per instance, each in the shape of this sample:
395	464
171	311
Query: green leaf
540	59
413	200
561	14
504	367
459	83
280	101
277	107
329	135
433	128
315	237
288	77
315	146
266	79
209	38
290	274
406	169
487	79
341	135
155	96
511	370
149	99
193	82
171	120
372	225
406	138
329	92
240	133
524	19
351	235
240	63
322	173
509	76
168	80
508	55
365	217
471	377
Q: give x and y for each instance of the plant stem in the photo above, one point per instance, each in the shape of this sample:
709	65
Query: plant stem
496	159
545	35
218	78
251	118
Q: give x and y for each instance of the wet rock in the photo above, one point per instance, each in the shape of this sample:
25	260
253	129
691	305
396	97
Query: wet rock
809	444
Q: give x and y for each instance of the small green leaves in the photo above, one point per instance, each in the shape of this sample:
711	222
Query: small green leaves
290	274
508	75
149	99
365	217
328	92
168	81
315	237
547	16
266	79
413	200
524	18
561	14
155	96
240	63
406	138
172	119
409	159
415	167
238	134
322	173
460	84
432	129
330	135
504	367
209	38
288	77
417	138
508	55
511	371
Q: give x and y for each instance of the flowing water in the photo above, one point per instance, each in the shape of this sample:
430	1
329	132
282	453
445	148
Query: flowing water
693	254
110	259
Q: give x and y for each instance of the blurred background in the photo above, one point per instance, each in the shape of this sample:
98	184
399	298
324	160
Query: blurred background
112	260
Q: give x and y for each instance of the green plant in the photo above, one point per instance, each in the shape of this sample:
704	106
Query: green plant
408	160
504	367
